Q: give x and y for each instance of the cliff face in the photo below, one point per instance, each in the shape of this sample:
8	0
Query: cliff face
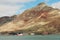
39	19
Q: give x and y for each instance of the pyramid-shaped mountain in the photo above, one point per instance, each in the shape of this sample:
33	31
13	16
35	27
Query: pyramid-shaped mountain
39	19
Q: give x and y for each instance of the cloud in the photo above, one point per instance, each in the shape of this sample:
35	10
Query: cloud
10	7
16	1
8	10
56	5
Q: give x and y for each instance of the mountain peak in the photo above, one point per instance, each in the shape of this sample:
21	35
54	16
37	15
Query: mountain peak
42	3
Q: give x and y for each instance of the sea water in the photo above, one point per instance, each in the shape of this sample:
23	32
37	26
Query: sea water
34	37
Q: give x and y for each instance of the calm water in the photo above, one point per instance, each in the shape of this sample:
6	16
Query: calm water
37	37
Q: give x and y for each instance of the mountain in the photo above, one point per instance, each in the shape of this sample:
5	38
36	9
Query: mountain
6	19
41	19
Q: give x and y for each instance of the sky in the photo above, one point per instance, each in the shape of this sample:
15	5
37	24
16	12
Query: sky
13	7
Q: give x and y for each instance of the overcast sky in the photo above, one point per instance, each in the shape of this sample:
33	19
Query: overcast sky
12	7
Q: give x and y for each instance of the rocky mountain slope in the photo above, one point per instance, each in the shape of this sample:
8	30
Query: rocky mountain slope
39	19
